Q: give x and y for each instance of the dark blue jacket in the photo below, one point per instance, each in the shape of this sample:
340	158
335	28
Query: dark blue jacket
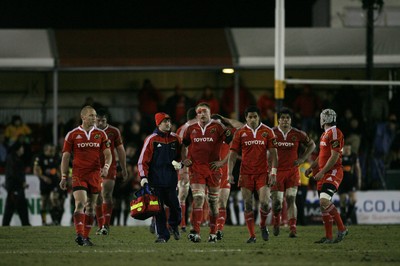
155	162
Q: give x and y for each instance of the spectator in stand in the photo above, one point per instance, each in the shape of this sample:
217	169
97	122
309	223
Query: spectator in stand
266	104
209	98
17	131
384	136
149	103
344	98
351	129
306	107
134	131
246	99
177	105
379	110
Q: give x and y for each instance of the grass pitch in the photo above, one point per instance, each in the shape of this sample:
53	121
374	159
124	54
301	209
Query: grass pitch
134	245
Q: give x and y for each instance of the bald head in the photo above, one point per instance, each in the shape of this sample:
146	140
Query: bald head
86	109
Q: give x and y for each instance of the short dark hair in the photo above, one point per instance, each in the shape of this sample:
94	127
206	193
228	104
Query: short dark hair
251	109
102	112
203	104
285	111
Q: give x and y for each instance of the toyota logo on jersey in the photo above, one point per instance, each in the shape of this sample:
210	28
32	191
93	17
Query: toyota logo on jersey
254	142
203	139
285	144
88	144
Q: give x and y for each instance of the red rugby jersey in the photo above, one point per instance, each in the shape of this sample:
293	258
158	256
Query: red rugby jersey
288	146
86	148
204	144
331	139
254	145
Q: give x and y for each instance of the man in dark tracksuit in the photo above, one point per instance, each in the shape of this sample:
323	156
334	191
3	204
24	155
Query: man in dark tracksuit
16	185
155	166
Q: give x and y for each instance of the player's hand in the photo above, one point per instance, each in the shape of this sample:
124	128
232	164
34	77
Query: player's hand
216	165
308	172
298	162
124	175
231	179
104	172
318	176
187	162
63	184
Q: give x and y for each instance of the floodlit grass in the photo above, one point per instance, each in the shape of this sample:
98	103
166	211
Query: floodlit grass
134	245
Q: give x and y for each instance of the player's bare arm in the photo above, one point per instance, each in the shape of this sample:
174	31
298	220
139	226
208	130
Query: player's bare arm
185	161
273	153
64	170
107	162
122	161
232	157
310	147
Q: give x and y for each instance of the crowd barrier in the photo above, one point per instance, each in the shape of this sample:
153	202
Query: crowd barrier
373	207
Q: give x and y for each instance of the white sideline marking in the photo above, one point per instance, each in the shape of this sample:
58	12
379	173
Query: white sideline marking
90	250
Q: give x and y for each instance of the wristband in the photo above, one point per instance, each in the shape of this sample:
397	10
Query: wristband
107	166
273	171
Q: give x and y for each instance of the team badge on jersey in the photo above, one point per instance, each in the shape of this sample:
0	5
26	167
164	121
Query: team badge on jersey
111	134
97	136
108	143
264	134
294	138
274	142
335	144
228	133
212	131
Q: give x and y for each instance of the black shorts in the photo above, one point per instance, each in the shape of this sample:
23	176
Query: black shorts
348	184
